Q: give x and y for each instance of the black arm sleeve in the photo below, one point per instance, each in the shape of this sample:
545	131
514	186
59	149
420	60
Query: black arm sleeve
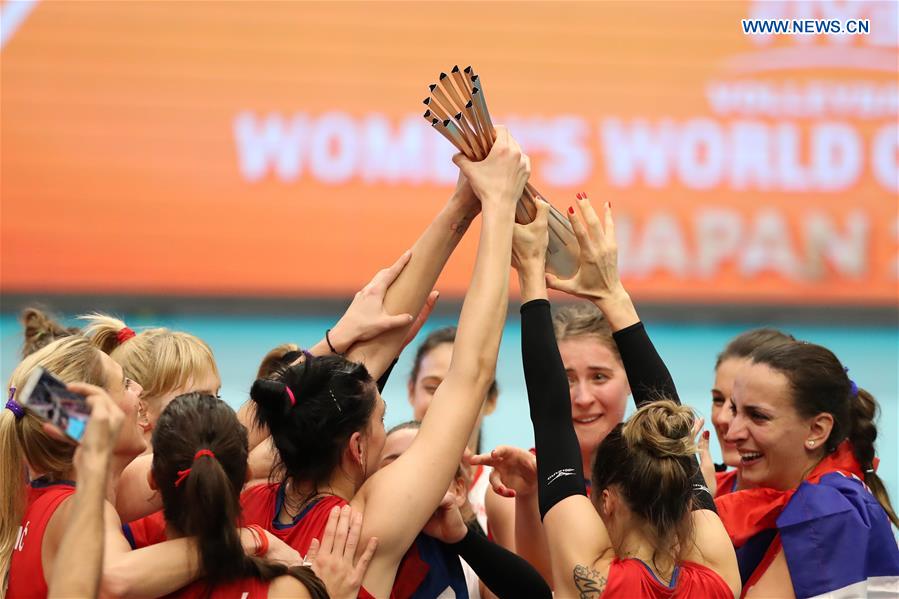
504	573
646	372
560	471
382	382
650	380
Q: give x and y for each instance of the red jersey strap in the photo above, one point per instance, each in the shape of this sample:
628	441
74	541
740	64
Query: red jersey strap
26	568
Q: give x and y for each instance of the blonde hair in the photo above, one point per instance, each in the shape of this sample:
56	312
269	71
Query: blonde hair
583	319
159	360
273	361
23	441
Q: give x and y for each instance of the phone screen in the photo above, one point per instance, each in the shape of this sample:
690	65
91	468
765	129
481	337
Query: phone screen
47	397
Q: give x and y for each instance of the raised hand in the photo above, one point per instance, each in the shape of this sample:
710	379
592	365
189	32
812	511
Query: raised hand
706	464
500	177
447	524
366	317
333	559
514	470
529	241
597	276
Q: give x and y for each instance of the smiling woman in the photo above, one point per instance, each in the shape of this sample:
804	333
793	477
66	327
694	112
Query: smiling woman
596	377
805	434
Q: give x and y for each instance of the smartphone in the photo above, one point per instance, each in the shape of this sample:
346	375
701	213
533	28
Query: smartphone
47	397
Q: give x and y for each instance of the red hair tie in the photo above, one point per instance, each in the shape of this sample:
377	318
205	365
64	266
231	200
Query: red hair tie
124	335
293	400
183	474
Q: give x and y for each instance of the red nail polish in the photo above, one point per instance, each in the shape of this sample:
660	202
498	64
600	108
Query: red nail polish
570	210
705	435
578	195
584	193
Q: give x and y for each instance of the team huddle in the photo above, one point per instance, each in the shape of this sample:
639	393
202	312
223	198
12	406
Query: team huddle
303	493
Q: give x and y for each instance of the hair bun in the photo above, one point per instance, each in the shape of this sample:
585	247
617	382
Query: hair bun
41	329
663	429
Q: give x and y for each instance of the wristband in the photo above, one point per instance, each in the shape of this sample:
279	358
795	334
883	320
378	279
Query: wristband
330	345
261	538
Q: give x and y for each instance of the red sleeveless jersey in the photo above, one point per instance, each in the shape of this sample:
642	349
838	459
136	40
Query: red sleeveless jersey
245	588
26	569
632	578
262	503
146	531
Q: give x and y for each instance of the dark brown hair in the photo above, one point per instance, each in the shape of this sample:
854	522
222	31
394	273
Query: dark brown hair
650	459
41	329
333	398
206	505
820	384
744	344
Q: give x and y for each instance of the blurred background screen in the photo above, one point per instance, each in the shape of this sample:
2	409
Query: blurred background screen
239	169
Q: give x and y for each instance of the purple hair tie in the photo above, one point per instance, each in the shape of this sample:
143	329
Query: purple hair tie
13	406
853	388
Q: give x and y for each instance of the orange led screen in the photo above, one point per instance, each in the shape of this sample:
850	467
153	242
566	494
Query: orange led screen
278	148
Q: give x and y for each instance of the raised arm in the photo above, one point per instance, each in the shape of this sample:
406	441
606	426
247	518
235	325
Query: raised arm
79	559
365	319
410	291
597	279
574	531
401	497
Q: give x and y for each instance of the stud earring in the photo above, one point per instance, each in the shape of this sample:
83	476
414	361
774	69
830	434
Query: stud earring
811	443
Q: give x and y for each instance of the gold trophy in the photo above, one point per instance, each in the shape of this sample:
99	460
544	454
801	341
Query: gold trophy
458	111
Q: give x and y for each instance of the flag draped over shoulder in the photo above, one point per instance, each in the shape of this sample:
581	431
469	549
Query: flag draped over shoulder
835	536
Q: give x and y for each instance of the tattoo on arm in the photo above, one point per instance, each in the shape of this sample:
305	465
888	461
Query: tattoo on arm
590	583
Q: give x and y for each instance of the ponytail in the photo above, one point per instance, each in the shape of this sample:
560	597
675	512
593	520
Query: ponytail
199	465
312	409
862	434
106	332
23	440
12	490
